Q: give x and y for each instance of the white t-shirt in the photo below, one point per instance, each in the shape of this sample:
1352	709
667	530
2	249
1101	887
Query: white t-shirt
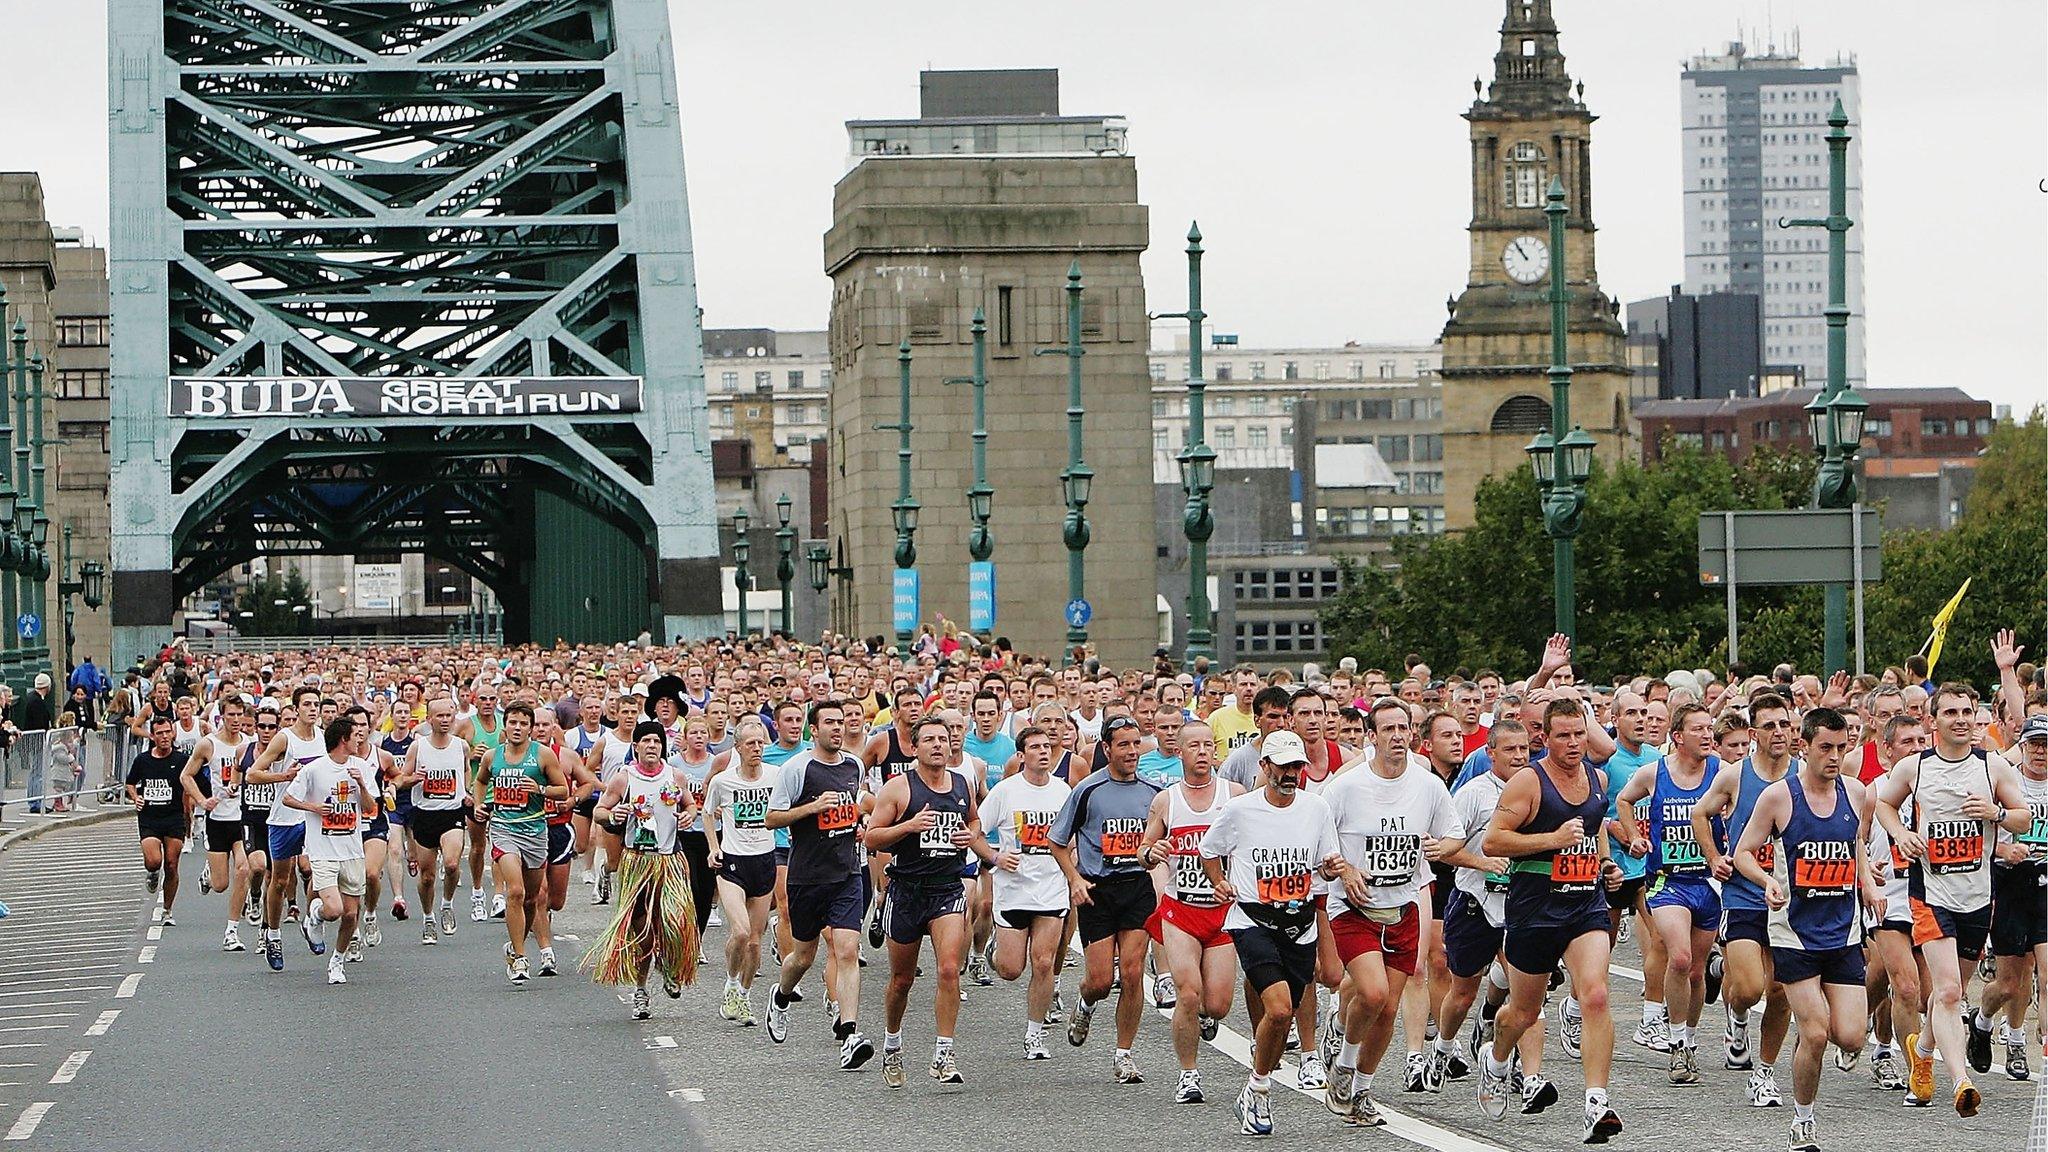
742	807
1475	803
1273	855
1381	824
335	832
1016	816
1090	728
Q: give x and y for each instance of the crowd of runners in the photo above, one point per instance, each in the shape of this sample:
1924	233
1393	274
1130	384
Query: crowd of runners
1360	854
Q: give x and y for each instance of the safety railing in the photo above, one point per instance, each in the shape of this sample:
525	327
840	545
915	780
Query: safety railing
58	771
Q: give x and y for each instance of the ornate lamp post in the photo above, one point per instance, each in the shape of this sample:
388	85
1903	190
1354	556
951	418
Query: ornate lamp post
1835	414
980	498
14	551
1562	460
91	583
1078	480
1197	466
785	569
740	550
904	512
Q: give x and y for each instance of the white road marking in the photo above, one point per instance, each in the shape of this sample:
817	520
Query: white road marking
99	1027
661	1041
156	915
147	955
31	1116
68	1071
127	990
46	1015
37	1028
688	1095
156	932
54	991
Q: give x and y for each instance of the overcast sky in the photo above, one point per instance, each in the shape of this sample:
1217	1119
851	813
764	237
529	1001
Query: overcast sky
1317	141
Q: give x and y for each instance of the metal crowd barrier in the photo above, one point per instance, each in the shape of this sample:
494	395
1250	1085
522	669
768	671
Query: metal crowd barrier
58	770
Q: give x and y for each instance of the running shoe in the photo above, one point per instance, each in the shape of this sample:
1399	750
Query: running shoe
334	973
604	887
1364	1113
1189	1091
428	935
498	907
315	936
254	915
1434	1065
515	966
2016	1056
597	892
547	962
977	968
1537	1094
1968	1100
727	1006
477	914
1343	1084
291	912
1209	1026
1309	1077
152	881
1735	1037
744	1016
1654	1035
1329	1036
170	921
205	882
398	910
778	1016
1254	1111
273	954
670	986
643	1007
1684	1067
1057	1010
1493	1092
1602	1124
875	936
1164	994
354	952
1293	1037
1627	932
1455	1067
714	920
945	1070
1125	1067
854	1051
1417	1065
1977	1049
1919	1074
796	995
1763	1089
372	935
1715	967
1034	1048
1802	1137
1846	1061
892	1068
1884	1072
232	940
1077	1028
1572	1034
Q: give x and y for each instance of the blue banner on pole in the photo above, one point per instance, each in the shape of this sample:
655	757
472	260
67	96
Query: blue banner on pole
905	614
981	595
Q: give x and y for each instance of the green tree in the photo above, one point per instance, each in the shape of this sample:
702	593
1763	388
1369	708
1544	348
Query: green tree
266	616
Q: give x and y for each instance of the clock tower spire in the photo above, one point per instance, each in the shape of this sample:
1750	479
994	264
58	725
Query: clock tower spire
1529	125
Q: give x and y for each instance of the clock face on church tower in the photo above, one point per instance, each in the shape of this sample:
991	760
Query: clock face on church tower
1526	259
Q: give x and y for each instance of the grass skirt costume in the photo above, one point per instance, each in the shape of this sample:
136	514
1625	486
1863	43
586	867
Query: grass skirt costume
655	924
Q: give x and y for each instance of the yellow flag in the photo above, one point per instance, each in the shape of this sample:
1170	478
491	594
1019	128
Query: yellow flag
1941	620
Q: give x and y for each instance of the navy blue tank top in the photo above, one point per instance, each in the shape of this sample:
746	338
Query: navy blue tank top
1554	889
1817	866
931	856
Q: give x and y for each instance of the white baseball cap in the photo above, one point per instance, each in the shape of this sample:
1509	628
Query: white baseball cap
1283	748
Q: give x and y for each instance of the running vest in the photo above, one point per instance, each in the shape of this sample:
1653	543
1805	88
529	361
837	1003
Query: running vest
2035	838
1672	847
697	774
256	798
1737	892
1059	769
823	847
298	752
1554	889
442	784
1816	867
516	800
650	810
1953	874
222	769
743	827
930	856
552	810
895	762
1185	826
582	739
184	738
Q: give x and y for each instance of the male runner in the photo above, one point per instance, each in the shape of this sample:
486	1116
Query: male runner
742	849
1892	979
218	755
333	797
819	798
1099	841
1198	950
1960	796
928	820
160	811
1820	871
1030	894
257	800
288	753
887	755
1276	841
434	771
1551	823
2019	930
1684	909
518	778
1745	938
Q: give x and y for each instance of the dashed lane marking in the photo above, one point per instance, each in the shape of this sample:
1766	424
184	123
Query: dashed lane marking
127	989
661	1042
147	955
68	1071
99	1027
25	1126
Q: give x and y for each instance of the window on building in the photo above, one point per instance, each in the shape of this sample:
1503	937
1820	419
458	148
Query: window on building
1358	369
730	381
1287	435
1322	369
1429	483
1005	319
1256	405
1984	425
1223	370
1226	436
1158	372
1393	449
1402	482
1429	446
1159	440
1386	369
1428	521
1256	436
82	331
1258	369
763	381
1421	368
1933	426
795	379
1159	407
86	436
81	383
1291	370
1524	179
825	378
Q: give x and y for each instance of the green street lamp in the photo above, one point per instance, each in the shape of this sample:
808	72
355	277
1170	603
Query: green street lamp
1561	458
903	513
980	498
1078	480
1197	466
741	549
1835	415
90	583
819	560
785	568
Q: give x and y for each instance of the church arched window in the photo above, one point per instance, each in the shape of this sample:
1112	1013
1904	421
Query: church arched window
1523	414
1524	182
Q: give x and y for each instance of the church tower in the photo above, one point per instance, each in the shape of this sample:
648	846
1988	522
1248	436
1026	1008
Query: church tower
1527	127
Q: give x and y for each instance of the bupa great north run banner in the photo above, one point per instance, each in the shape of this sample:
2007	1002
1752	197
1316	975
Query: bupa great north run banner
247	397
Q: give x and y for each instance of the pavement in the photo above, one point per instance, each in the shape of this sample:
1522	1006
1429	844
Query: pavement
117	1032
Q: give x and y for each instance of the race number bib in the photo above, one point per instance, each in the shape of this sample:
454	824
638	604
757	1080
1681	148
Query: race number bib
937	840
509	789
1681	853
338	818
1389	861
1955	846
259	795
749	808
1576	869
1033	832
156	791
1190	881
1824	868
2035	838
1767	855
438	784
1121	837
839	819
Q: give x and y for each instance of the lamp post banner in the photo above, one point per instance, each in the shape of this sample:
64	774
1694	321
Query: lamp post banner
905	607
250	397
981	595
